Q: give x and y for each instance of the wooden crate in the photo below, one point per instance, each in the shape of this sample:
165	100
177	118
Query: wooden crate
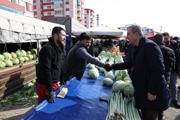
14	77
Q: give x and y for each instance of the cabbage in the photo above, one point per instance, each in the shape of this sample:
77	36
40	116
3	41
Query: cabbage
34	51
121	75
28	52
110	74
1	57
30	57
7	56
34	56
108	82
93	73
2	65
90	66
9	63
129	90
21	59
26	59
18	53
119	86
13	55
23	53
15	61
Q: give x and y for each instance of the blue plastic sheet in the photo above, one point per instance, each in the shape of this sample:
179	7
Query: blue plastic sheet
81	103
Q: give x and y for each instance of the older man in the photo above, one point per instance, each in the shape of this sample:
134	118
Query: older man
145	62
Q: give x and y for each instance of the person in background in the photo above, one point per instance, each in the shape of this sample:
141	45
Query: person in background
50	63
169	61
78	57
147	74
175	72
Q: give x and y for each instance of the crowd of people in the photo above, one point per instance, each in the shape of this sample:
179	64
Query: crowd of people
153	67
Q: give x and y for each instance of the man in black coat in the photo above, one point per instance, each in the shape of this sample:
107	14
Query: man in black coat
147	74
169	60
174	74
49	68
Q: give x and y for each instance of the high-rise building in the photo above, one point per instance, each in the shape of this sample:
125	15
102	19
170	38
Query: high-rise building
24	7
59	8
88	18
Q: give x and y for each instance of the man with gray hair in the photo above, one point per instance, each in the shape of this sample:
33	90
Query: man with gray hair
145	62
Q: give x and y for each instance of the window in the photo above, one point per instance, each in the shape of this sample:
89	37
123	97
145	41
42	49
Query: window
48	13
35	13
58	12
49	6
34	7
47	0
57	5
67	9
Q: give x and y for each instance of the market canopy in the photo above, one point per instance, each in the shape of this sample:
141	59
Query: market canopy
16	28
102	32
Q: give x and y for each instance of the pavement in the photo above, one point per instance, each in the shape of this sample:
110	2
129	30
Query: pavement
172	113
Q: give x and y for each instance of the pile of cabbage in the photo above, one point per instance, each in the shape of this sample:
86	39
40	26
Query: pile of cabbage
20	56
93	72
121	104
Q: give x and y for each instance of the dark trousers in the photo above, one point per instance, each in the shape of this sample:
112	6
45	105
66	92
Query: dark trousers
149	115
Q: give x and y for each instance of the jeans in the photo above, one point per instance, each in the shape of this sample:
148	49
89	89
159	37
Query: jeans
172	86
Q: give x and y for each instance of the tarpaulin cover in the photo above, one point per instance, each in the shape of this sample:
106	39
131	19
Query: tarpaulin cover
81	103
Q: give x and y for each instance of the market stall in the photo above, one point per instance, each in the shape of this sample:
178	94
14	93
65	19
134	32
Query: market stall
83	102
20	40
99	95
101	32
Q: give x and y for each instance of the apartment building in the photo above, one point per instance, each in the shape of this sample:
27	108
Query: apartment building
89	18
59	8
24	7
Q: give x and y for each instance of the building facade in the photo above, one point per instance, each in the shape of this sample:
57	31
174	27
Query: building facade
89	18
43	9
24	7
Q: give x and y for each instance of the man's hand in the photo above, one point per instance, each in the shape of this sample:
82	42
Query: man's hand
108	67
151	97
51	97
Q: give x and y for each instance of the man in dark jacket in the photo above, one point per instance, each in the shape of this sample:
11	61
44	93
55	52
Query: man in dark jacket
168	55
49	68
169	60
147	74
174	46
78	57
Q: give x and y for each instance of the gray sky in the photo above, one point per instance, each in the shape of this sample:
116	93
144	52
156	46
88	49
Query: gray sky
147	13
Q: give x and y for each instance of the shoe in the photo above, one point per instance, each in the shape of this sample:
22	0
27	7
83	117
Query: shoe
161	116
175	104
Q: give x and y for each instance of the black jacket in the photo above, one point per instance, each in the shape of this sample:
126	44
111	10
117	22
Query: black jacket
169	60
147	74
50	63
174	46
74	65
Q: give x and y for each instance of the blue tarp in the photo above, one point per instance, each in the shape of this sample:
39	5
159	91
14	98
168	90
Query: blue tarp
81	103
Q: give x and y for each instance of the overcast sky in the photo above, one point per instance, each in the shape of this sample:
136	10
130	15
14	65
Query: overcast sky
146	13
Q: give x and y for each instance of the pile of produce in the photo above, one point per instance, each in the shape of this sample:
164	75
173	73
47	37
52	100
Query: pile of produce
93	72
24	95
121	104
20	56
